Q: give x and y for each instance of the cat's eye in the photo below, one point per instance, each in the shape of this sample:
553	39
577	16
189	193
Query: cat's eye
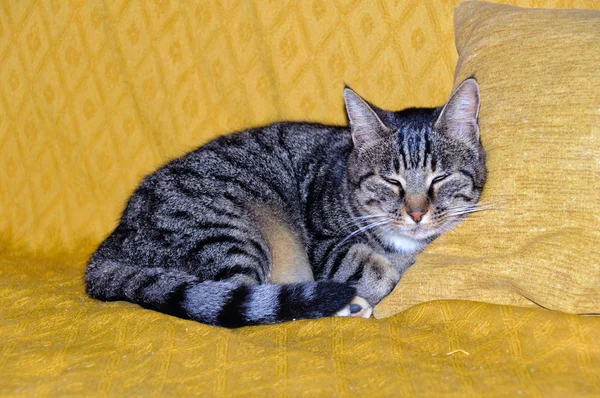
393	182
439	178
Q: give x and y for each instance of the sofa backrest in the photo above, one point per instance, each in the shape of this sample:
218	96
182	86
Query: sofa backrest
94	95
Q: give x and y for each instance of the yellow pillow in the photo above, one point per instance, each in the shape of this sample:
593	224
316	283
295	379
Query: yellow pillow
539	74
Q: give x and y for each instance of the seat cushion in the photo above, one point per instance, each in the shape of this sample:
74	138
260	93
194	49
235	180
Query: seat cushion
56	342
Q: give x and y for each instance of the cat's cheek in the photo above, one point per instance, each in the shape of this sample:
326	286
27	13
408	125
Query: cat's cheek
370	187
444	195
371	206
370	195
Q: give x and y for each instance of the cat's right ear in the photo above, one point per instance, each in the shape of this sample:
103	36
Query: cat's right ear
366	127
459	117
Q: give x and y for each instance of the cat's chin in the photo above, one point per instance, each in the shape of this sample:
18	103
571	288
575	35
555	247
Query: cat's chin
408	240
402	243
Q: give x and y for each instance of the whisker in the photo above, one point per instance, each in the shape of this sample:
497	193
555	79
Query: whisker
473	208
457	211
357	221
460	213
363	229
368	216
469	207
354	233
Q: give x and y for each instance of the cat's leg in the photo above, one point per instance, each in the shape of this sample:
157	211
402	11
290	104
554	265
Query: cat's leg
289	260
373	275
225	245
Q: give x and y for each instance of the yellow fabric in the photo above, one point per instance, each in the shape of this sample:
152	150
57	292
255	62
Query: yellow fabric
55	342
95	94
539	75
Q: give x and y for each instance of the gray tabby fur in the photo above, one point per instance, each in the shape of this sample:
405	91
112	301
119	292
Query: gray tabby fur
293	220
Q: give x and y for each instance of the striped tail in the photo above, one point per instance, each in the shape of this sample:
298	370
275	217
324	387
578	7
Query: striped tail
226	304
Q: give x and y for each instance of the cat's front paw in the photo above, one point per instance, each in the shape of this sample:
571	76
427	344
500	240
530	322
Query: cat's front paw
358	307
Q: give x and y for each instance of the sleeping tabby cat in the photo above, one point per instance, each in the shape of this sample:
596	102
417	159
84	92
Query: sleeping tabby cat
295	220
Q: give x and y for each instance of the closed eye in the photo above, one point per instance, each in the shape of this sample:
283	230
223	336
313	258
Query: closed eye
393	182
439	178
436	180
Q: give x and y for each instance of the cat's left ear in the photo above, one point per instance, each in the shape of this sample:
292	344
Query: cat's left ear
459	117
367	128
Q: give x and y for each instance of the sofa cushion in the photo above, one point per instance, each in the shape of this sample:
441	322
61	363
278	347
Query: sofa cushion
55	342
539	75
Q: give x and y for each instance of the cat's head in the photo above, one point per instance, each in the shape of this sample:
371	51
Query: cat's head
416	173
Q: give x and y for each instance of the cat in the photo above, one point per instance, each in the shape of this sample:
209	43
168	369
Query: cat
295	220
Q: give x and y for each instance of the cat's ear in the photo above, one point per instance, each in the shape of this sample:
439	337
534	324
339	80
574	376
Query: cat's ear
366	127
459	117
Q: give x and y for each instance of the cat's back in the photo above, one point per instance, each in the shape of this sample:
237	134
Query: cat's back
263	147
271	164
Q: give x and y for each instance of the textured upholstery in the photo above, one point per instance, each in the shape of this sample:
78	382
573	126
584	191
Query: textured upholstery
95	94
55	342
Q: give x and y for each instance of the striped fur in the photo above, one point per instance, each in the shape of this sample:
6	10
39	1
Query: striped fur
202	237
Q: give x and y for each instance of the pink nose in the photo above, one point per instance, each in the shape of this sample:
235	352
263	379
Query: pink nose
416	215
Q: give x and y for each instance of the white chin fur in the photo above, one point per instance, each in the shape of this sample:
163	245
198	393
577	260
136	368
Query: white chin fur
403	244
